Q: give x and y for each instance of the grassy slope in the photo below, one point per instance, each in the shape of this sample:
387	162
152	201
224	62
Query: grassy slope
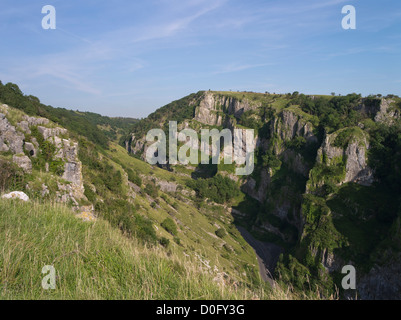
196	227
93	261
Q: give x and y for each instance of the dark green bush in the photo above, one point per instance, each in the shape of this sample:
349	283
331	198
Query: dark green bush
164	242
218	189
89	194
11	177
120	213
169	225
152	190
221	233
134	177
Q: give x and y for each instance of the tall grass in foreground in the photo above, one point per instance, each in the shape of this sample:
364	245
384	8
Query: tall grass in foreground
95	261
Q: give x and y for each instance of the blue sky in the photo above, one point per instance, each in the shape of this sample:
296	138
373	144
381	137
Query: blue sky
127	58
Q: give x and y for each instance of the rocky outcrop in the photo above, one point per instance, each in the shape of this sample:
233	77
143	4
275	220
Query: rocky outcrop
208	112
213	108
289	125
16	195
24	126
23	162
381	110
166	186
10	138
330	261
387	114
357	169
33	121
72	167
355	154
136	145
31	149
258	192
28	122
52	132
382	282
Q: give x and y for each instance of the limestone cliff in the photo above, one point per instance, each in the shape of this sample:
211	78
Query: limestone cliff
213	108
18	140
353	154
304	157
381	110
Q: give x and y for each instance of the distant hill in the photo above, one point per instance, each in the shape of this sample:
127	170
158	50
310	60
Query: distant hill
98	129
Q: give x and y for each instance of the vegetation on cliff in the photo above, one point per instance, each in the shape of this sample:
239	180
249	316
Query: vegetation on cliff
325	188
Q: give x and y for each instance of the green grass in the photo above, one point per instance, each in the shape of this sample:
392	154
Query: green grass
95	261
119	155
306	116
347	135
195	225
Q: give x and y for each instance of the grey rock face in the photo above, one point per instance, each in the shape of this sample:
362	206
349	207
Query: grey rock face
135	145
73	167
23	162
67	150
210	110
236	107
167	186
24	126
70	150
207	111
386	114
295	162
9	135
382	112
16	195
32	121
289	125
28	146
3	146
382	283
331	262
257	192
357	169
329	149
51	132
72	172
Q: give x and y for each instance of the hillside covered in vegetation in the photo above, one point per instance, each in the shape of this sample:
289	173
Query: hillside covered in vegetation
96	128
325	186
154	210
324	193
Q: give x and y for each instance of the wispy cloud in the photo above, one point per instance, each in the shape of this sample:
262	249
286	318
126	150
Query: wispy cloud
174	47
234	67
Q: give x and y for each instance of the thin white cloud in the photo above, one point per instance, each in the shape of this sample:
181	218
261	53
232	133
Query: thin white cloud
239	67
